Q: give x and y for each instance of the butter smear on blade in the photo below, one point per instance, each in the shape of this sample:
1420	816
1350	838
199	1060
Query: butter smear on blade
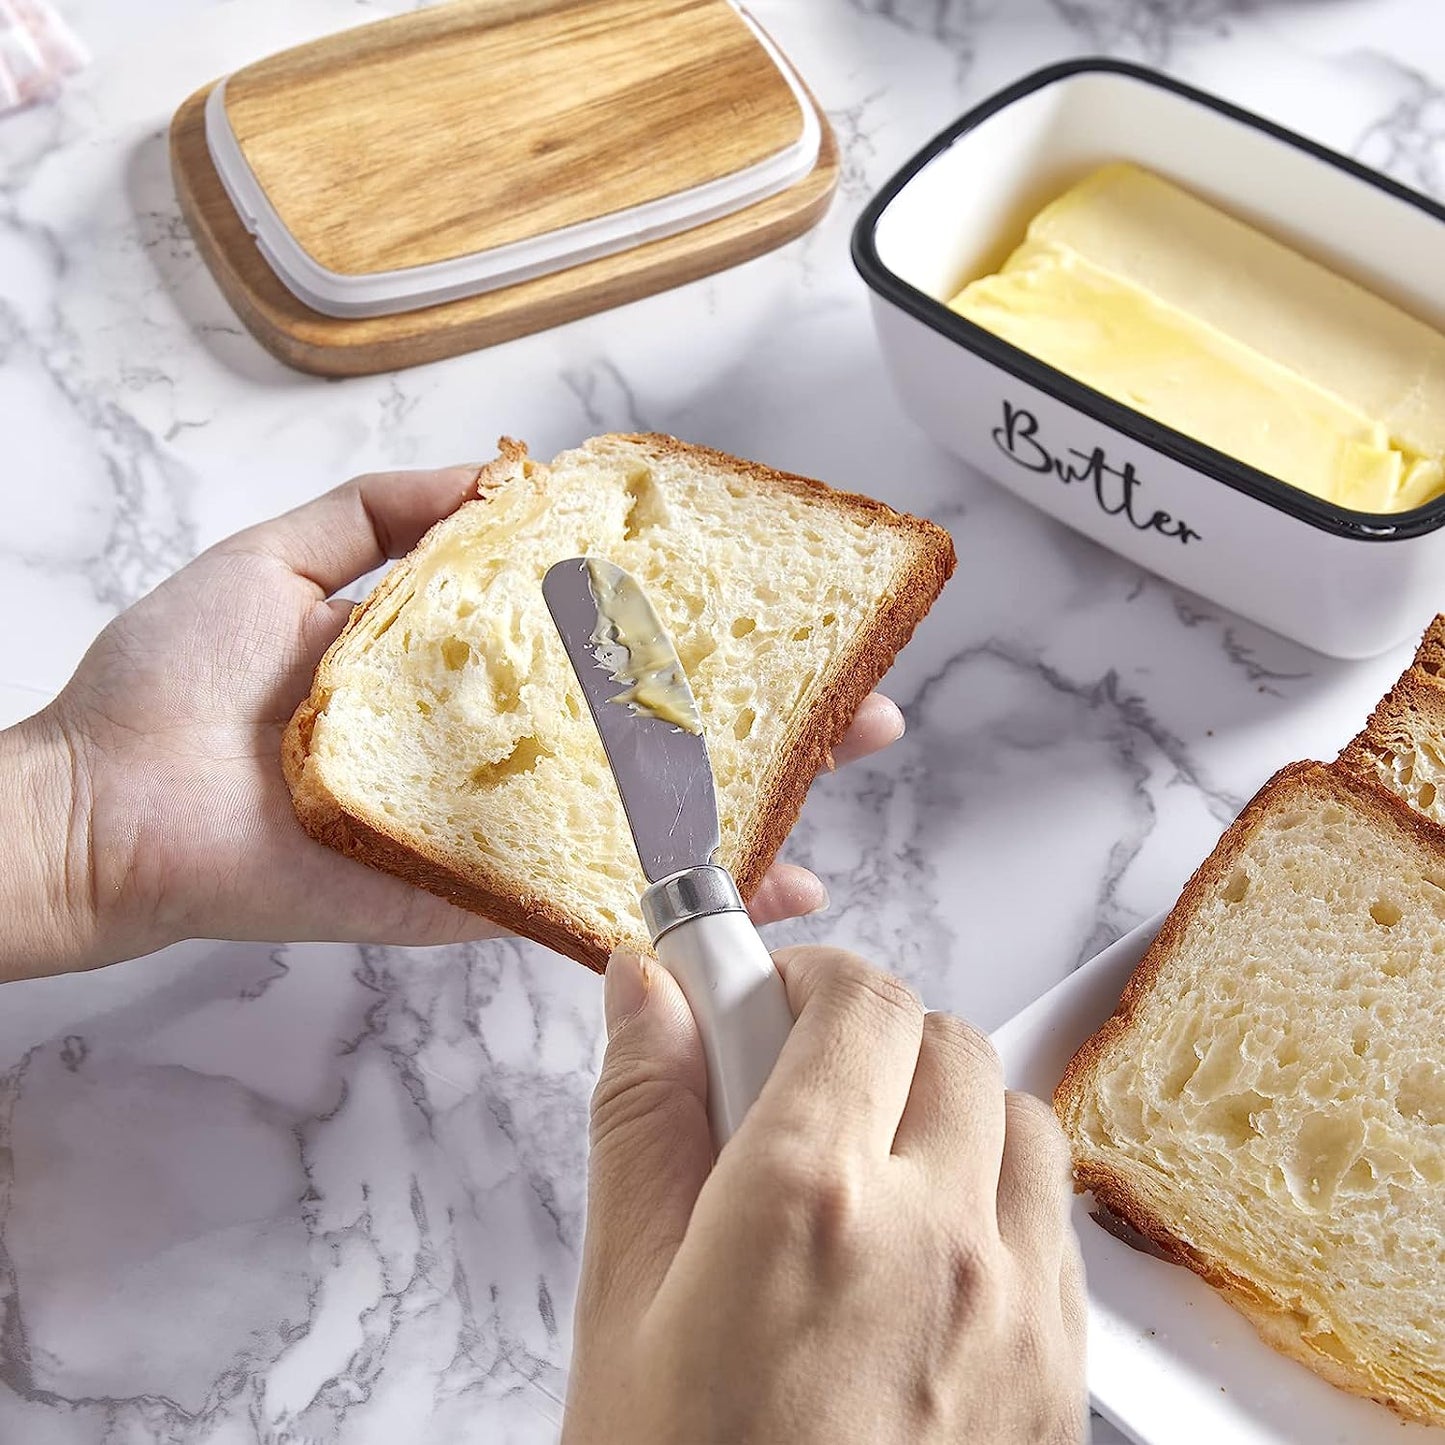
1149	295
630	641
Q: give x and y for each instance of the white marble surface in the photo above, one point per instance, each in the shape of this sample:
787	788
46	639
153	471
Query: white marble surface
306	1194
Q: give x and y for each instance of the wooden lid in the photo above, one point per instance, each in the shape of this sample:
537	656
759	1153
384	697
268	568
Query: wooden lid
455	130
336	346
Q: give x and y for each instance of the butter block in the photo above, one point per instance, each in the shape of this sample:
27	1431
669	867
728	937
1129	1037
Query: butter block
1155	298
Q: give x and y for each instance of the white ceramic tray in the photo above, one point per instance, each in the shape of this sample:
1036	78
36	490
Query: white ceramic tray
1169	1362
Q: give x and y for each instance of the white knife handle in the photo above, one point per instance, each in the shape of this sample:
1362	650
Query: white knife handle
741	1007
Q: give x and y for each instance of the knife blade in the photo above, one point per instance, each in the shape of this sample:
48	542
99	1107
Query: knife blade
660	763
638	695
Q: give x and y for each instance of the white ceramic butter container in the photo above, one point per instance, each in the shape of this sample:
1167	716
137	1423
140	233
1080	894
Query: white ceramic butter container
1349	584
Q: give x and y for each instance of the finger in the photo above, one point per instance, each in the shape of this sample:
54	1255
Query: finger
954	1123
651	1149
1035	1181
346	532
787	892
320	628
844	1072
877	723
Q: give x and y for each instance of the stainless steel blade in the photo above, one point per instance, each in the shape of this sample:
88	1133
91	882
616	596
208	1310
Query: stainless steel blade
662	770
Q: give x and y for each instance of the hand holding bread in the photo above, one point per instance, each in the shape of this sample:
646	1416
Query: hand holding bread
160	811
445	739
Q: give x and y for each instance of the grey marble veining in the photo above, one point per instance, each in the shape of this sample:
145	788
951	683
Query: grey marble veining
1408	142
315	1193
1151	29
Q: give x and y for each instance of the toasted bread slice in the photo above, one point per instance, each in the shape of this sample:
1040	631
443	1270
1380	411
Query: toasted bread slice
1403	744
445	738
1268	1101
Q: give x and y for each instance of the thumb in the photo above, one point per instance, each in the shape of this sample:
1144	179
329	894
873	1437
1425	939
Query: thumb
323	626
651	1148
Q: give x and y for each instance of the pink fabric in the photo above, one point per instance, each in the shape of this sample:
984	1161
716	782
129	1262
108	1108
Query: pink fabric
37	51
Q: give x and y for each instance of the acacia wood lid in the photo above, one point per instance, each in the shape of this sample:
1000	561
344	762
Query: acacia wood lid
422	161
478	125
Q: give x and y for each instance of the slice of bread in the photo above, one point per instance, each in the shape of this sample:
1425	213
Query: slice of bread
1268	1101
446	740
1403	744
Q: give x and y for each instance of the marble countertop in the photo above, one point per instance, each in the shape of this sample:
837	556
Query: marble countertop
325	1193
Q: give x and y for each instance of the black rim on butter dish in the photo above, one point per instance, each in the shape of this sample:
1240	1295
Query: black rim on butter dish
1366	526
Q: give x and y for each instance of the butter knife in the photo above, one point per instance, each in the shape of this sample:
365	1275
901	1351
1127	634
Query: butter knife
643	706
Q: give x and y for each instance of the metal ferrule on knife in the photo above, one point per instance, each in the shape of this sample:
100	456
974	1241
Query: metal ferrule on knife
694	893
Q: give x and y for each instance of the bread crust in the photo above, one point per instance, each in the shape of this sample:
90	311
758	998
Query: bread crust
1275	1324
1415	704
1273	1318
804	751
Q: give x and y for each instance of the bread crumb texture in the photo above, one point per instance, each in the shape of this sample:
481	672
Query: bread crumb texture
1269	1100
448	718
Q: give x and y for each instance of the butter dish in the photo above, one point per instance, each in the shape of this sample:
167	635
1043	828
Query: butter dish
1347	583
472	171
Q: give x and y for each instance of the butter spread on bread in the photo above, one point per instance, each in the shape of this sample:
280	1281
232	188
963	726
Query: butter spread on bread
628	640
